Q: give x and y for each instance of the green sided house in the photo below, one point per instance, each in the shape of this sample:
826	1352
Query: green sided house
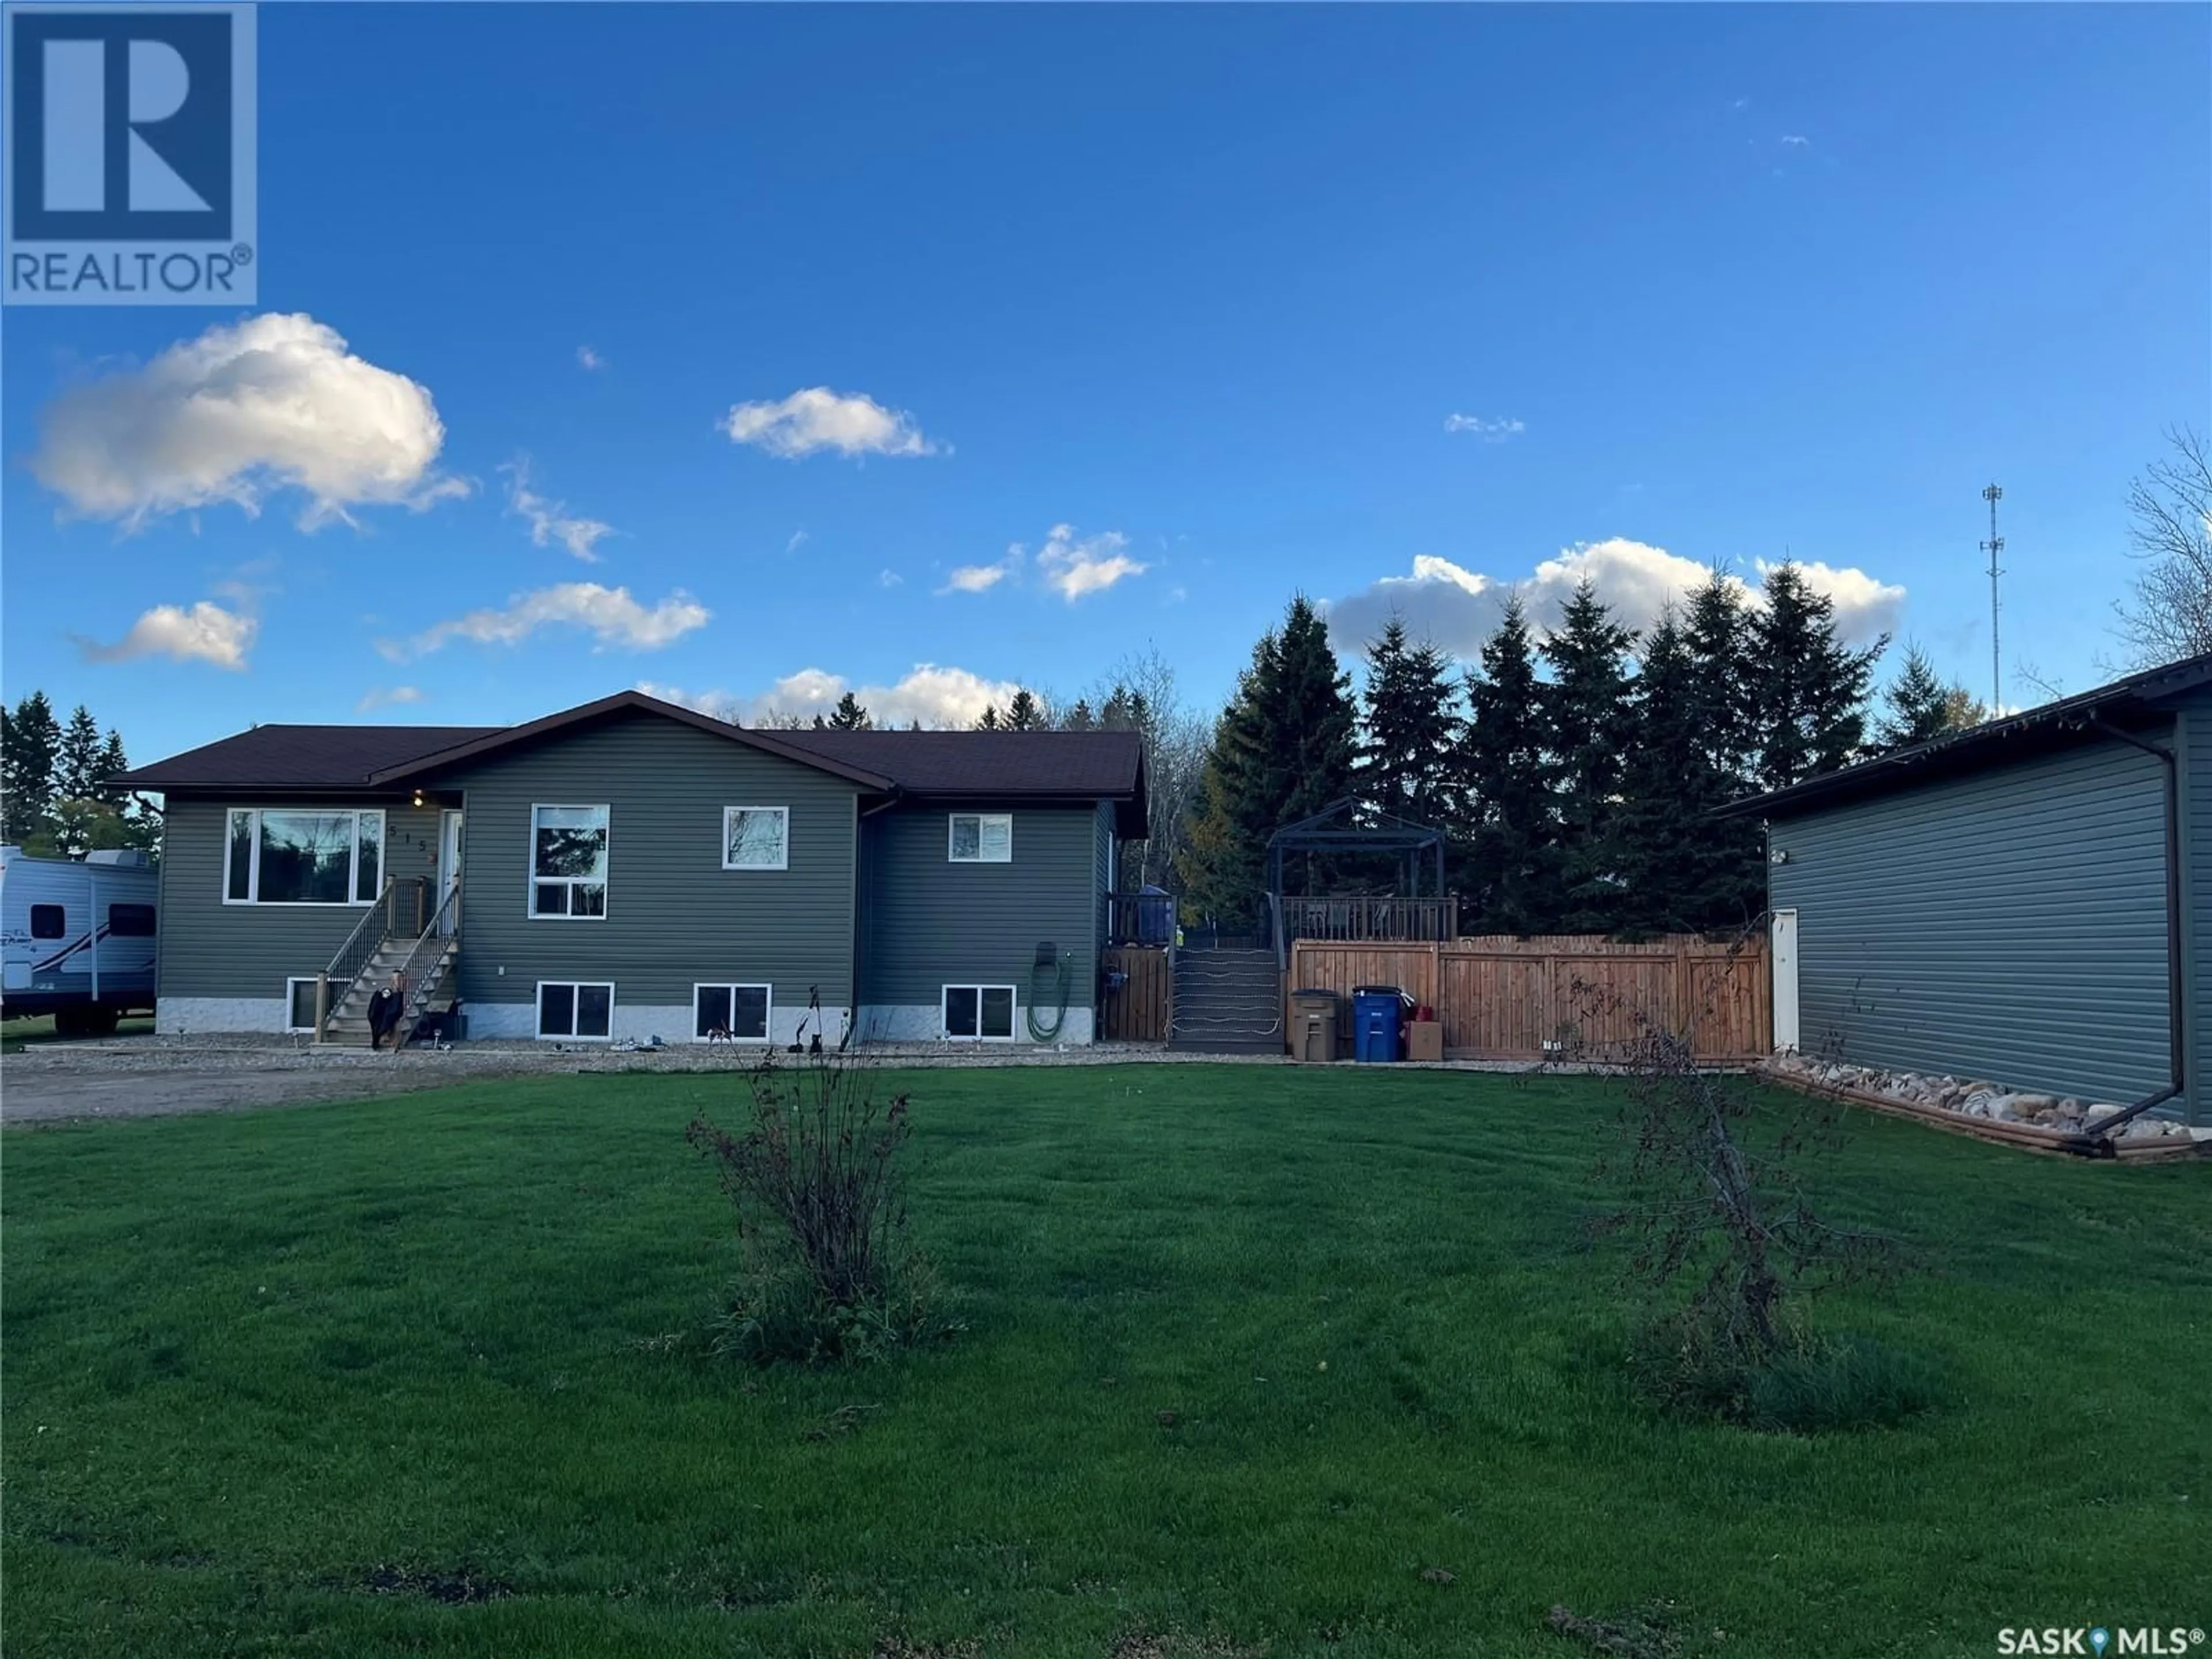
630	868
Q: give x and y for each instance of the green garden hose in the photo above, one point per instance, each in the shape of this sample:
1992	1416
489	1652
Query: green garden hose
1040	1032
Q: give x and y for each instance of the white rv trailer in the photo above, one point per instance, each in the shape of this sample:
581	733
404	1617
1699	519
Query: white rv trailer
77	940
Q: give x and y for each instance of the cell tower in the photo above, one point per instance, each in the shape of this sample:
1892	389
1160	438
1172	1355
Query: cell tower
1994	546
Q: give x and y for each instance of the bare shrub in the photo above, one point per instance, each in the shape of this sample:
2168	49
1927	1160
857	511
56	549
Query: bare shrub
829	1273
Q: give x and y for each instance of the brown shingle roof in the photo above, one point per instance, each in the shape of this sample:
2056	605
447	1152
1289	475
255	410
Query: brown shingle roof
299	757
982	766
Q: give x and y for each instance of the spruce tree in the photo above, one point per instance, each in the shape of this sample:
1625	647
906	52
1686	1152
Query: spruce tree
1717	633
1921	706
112	763
1667	785
1512	852
1222	864
1586	727
989	721
850	715
77	764
1409	729
1810	715
30	747
1079	717
1025	714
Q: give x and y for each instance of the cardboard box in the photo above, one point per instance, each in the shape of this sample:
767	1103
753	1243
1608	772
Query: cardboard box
1425	1039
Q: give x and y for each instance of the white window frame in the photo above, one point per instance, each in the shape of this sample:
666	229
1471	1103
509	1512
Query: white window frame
1013	1012
537	1010
291	983
734	986
353	861
730	812
951	822
529	869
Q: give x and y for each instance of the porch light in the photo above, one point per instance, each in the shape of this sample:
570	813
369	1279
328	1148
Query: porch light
419	801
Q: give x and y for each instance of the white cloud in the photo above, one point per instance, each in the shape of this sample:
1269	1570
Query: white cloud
1457	608
379	696
206	633
609	614
816	418
550	521
1489	432
797	540
890	579
273	403
1076	565
589	359
936	697
1798	139
981	578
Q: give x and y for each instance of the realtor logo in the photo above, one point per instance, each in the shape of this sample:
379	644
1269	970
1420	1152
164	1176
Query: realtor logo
130	154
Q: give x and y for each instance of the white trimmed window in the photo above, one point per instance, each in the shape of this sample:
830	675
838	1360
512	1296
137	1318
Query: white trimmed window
582	1009
738	1013
300	1000
302	858
981	838
568	863
979	1013
756	837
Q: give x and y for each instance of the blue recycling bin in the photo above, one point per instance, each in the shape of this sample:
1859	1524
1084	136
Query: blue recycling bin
1376	1011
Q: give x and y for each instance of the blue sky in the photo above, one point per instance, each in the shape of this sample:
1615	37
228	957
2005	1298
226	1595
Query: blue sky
1205	288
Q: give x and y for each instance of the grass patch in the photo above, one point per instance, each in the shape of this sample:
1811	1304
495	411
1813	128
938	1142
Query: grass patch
14	1034
1257	1361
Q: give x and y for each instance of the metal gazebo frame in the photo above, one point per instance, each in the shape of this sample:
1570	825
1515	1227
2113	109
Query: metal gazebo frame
1336	827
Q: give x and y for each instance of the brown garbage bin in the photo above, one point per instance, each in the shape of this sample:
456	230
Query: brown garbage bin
1313	1025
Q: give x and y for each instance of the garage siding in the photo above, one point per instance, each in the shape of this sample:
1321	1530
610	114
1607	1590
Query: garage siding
2009	925
2196	895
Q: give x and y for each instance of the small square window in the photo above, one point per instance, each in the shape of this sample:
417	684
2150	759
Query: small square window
981	838
48	922
756	837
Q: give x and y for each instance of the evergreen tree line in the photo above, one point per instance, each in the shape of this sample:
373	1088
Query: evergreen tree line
55	798
1575	774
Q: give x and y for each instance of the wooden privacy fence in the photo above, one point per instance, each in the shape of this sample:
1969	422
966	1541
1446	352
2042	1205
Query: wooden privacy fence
1503	998
1136	1011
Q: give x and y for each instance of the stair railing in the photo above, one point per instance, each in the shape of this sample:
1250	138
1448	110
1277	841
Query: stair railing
378	923
437	935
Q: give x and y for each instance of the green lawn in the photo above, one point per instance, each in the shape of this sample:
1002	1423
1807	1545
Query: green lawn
40	1028
407	1377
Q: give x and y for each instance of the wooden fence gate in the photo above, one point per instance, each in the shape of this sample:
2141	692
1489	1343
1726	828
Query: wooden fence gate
1502	998
1138	1010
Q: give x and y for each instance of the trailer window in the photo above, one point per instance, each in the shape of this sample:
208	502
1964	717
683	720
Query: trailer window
131	921
48	921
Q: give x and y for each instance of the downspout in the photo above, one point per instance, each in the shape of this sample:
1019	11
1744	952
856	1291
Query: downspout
2176	1004
859	896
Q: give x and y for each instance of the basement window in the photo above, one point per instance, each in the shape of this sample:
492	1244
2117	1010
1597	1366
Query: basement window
581	1009
980	1013
738	1013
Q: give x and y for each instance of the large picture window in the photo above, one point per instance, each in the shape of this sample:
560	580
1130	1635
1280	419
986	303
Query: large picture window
738	1013
273	857
578	1009
983	1013
983	838
756	837
568	862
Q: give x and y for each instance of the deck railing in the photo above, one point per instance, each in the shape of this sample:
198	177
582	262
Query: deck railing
437	936
1371	917
1140	918
398	910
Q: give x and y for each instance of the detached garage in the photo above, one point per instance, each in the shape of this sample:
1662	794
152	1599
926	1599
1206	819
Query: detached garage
2029	901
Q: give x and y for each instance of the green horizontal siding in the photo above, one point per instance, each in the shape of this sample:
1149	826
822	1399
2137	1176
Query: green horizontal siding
930	922
211	949
675	917
2009	925
2196	750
